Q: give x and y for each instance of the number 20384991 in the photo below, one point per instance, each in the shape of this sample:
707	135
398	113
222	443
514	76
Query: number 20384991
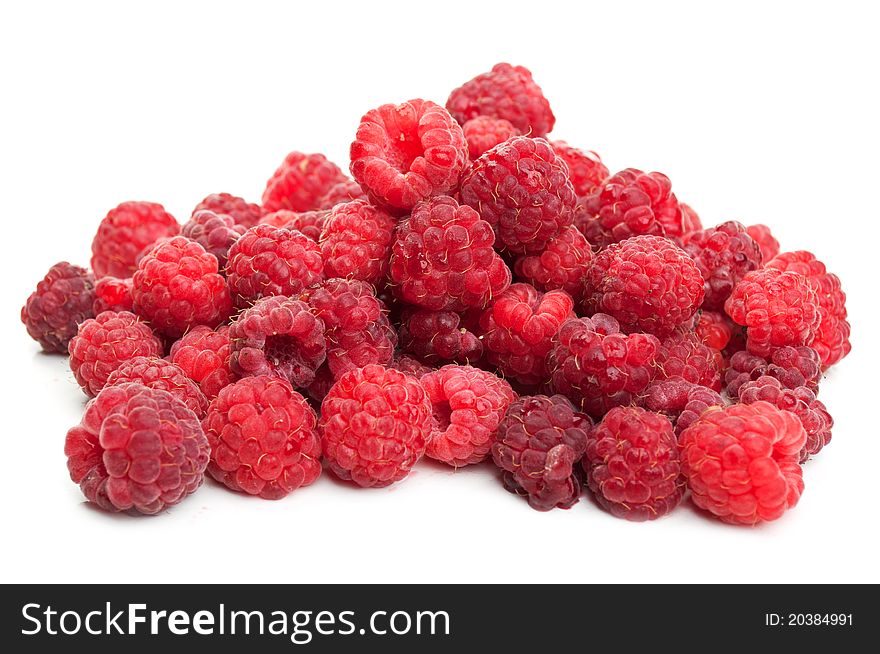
808	619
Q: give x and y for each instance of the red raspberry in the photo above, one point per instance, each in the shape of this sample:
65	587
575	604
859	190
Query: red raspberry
344	191
506	92
765	240
585	168
679	400
538	443
113	294
690	220
714	329
105	342
309	223
438	336
214	232
410	366
124	234
522	189
203	354
518	327
137	449
483	133
741	462
278	336
269	261
63	300
375	424
685	355
263	437
177	286
242	212
356	241
597	367
793	366
647	283
724	254
777	308
468	404
154	372
322	384
633	464
300	182
442	258
562	264
406	153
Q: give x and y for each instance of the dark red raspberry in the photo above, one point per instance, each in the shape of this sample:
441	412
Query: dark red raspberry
278	336
154	372
322	383
309	223
690	220
300	182
468	404
438	336
269	261
113	294
679	400
585	168
203	354
562	264
597	367
125	233
724	254
765	240
793	366
105	342
356	241
410	366
538	443
506	92
647	283
177	286
483	133
406	153
522	189
137	449
62	301
214	232
344	191
741	462
684	355
242	212
714	329
517	329
442	258
633	464
264	439
375	424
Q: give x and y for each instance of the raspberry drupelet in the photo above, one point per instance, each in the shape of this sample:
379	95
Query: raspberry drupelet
113	294
484	133
214	232
585	169
793	366
690	220
241	211
125	233
62	301
356	241
714	329
300	182
681	401
438	336
203	355
154	372
562	264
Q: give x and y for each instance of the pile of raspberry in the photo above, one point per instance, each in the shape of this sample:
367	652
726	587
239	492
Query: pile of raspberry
475	292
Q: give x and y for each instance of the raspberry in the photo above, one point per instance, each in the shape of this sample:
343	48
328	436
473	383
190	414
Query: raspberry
800	401
309	223
300	182
154	372
125	232
518	327
113	294
438	336
278	336
724	254
410	366
585	169
832	336
375	424
793	366
679	400
539	441
506	92
741	462
647	283
684	355
322	384
633	464
562	264
483	133
407	152
269	261
177	286
690	220
137	449
521	187
214	232
597	367
442	258
203	354
344	191
356	241
105	342
263	437
714	329
63	300
467	404
777	308
242	212
766	241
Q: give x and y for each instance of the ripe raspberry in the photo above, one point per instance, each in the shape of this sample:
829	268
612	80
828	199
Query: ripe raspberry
375	424
113	294
410	366
647	283
309	223
562	264
125	232
518	327
724	254
741	462
679	400
714	329
344	191
506	92
467	404
777	308
214	232
793	366
322	384
585	168
278	336
105	342
438	336
356	241
765	240
263	437
203	354
137	449
597	367
269	261
538	443
177	286
154	372
690	220
242	212
62	301
633	464
300	182
483	133
406	153
684	355
442	258
522	189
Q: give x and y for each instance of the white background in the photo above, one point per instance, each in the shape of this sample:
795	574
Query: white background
761	112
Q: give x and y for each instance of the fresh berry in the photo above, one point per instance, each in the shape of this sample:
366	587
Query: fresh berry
438	337
483	133
154	372
127	231
690	220
714	329
410	366
679	400
214	232
203	354
585	169
62	301
765	240
724	254
344	191
309	223
684	355
113	294
301	182
356	241
242	212
793	366
562	264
